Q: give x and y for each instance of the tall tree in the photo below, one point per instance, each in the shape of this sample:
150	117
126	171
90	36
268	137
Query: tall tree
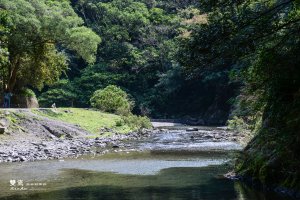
39	30
3	43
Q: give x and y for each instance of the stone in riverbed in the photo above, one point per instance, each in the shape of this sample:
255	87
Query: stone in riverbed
47	151
101	145
192	129
4	124
218	137
9	159
208	136
22	159
231	175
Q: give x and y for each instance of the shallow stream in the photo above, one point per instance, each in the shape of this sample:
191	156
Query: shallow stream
171	165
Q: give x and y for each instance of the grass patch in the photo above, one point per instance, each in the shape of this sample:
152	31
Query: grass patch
87	119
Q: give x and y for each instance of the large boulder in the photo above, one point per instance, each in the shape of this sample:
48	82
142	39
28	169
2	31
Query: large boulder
31	102
25	102
4	124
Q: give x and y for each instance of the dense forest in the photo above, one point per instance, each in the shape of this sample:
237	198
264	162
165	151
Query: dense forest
204	61
138	52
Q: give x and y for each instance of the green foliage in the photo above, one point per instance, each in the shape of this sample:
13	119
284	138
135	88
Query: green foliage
36	29
95	76
61	93
112	99
118	22
172	79
139	53
138	45
159	17
28	93
238	124
257	43
3	38
136	122
84	41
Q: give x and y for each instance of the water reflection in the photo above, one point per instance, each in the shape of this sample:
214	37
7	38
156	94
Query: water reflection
244	192
170	184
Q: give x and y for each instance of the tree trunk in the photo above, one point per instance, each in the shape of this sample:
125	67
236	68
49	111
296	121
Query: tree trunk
14	66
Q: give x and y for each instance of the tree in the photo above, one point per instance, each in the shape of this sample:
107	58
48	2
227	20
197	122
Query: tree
39	30
258	43
96	76
138	49
61	93
119	23
3	43
112	99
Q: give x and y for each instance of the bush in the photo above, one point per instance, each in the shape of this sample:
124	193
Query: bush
238	124
26	92
112	99
137	122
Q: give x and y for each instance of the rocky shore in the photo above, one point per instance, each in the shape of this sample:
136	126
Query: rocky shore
33	137
28	148
33	149
27	136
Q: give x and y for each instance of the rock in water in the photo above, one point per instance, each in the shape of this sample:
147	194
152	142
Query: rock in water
192	129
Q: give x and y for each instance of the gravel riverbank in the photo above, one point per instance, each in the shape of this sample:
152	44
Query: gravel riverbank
33	137
34	149
28	136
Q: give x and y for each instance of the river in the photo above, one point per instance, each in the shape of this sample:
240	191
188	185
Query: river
171	165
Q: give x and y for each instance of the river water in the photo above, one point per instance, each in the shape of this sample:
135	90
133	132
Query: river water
171	165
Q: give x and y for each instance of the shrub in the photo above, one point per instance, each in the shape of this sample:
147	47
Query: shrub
112	99
26	92
137	122
237	123
119	122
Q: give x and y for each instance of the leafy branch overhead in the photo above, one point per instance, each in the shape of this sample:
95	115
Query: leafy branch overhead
38	32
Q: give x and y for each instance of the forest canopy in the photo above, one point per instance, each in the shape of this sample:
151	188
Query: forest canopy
35	36
139	49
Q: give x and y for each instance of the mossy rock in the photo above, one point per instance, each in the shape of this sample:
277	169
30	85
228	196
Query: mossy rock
25	102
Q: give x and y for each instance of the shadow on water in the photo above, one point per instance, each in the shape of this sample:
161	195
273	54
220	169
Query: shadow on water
170	184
